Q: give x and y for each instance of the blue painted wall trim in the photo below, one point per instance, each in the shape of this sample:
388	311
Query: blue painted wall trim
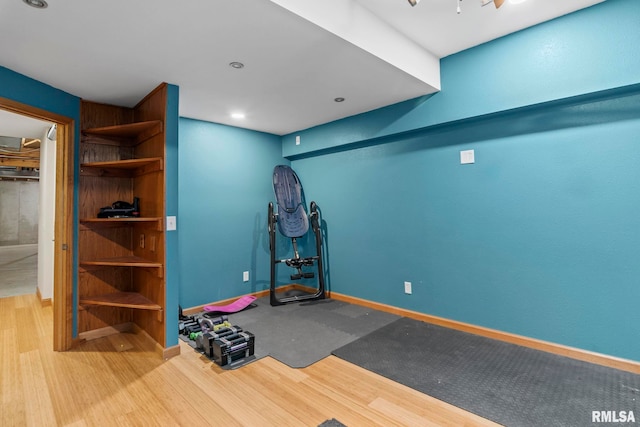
28	91
171	199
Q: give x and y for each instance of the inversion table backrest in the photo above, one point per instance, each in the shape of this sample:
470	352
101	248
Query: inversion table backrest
292	218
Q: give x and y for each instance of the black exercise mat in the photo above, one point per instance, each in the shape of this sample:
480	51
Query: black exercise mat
506	383
300	334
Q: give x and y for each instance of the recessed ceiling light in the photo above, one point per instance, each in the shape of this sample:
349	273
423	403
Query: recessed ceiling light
38	4
339	99
238	115
235	64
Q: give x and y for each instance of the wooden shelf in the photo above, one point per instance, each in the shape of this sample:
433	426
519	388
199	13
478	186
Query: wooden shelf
121	160
123	261
121	299
154	222
137	132
122	168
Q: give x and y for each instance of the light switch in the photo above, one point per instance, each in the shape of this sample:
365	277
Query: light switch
171	223
467	157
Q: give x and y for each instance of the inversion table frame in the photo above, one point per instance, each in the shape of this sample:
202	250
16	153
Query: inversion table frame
298	222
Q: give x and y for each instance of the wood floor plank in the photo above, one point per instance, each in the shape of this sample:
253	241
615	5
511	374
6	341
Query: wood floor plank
12	398
39	321
65	378
207	381
7	313
24	301
39	409
400	414
349	409
252	383
25	326
119	384
299	395
180	397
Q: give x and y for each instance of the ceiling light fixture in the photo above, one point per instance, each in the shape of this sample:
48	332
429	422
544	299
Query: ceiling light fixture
38	4
339	99
234	64
414	2
238	116
53	130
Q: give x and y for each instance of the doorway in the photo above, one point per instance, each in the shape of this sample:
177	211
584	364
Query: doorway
64	225
27	211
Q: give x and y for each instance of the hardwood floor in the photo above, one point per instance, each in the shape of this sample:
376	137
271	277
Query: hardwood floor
120	380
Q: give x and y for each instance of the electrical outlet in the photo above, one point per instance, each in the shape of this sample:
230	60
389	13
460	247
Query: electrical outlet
245	276
407	287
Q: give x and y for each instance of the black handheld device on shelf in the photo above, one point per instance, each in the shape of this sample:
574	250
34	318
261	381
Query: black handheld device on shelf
121	209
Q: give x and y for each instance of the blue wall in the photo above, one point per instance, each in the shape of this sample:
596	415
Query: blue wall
20	88
540	236
225	186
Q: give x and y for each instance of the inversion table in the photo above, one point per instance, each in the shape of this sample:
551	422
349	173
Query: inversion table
293	222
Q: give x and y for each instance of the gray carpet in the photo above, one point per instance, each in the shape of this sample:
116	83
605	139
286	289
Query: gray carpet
18	270
506	383
300	334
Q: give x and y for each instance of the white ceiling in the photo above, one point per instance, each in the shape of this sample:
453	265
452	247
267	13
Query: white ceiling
18	126
299	54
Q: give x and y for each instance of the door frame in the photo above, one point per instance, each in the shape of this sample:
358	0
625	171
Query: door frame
64	224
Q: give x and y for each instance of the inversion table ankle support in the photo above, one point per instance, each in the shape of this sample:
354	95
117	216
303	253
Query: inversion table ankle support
293	223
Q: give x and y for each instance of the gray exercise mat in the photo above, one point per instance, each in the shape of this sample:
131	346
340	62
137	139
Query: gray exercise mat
300	334
506	383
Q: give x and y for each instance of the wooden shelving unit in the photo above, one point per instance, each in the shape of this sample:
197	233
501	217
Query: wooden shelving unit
122	168
122	260
121	299
155	222
129	132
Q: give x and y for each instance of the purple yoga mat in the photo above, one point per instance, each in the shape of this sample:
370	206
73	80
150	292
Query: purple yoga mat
237	305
